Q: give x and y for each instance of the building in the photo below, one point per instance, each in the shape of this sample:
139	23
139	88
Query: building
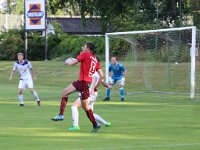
76	25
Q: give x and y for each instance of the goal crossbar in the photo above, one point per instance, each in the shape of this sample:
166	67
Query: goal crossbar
150	31
192	52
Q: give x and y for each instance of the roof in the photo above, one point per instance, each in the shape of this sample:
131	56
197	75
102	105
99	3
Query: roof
76	25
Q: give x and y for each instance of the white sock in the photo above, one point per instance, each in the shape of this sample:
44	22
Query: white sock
36	96
21	99
75	115
99	119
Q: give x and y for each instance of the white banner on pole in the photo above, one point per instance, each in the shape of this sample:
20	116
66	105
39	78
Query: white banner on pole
35	14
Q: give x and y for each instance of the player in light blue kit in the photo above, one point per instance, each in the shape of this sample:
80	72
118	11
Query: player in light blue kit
117	73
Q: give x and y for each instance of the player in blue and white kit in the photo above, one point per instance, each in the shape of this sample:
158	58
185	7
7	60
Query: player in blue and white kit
117	73
26	74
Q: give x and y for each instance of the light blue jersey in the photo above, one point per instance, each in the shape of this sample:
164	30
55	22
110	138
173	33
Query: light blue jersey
117	70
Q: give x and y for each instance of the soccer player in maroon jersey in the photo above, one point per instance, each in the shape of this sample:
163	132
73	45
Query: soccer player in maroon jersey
89	64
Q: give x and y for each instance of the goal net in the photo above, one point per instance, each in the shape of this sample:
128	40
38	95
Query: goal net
163	61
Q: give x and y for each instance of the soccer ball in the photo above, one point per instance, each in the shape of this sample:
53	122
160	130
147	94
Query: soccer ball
69	60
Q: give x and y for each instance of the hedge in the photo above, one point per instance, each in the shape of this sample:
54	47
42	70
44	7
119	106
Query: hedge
62	46
12	42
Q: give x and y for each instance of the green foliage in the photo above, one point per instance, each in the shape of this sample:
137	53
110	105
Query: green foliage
58	45
69	45
36	46
19	7
11	44
127	14
57	27
134	14
61	46
133	19
194	11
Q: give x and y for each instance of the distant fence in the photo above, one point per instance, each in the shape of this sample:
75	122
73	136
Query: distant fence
10	22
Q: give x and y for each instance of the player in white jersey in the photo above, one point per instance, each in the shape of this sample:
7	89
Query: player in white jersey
26	75
75	115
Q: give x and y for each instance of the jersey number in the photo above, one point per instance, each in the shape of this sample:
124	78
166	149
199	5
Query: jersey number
92	66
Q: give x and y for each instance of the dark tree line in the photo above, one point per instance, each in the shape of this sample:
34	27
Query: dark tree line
134	14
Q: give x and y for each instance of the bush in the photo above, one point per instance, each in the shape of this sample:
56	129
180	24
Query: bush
71	45
10	44
36	46
61	46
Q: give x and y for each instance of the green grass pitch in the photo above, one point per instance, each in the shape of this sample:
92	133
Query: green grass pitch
144	122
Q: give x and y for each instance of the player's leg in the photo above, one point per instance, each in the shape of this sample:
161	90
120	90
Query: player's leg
107	94
21	87
75	115
90	114
121	84
35	95
97	117
65	93
20	96
112	81
91	100
107	98
85	94
122	93
29	84
101	120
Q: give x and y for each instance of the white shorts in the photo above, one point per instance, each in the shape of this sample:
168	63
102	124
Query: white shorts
25	83
121	82
91	100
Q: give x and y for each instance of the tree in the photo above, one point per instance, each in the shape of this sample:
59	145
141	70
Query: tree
111	11
194	11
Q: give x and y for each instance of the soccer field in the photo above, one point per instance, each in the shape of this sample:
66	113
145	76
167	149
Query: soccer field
145	121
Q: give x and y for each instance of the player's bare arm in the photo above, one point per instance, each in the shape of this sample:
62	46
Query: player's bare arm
100	72
33	74
101	81
11	75
106	85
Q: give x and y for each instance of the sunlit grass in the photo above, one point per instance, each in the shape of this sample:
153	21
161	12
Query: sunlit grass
145	121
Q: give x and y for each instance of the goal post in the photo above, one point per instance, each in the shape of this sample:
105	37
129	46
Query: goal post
170	38
193	51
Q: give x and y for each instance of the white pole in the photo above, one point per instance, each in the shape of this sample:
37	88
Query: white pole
26	44
107	56
193	48
150	31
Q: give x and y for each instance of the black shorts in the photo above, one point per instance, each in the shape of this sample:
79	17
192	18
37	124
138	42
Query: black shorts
83	88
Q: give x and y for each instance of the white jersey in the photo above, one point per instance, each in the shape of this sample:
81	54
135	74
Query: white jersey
23	69
96	74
